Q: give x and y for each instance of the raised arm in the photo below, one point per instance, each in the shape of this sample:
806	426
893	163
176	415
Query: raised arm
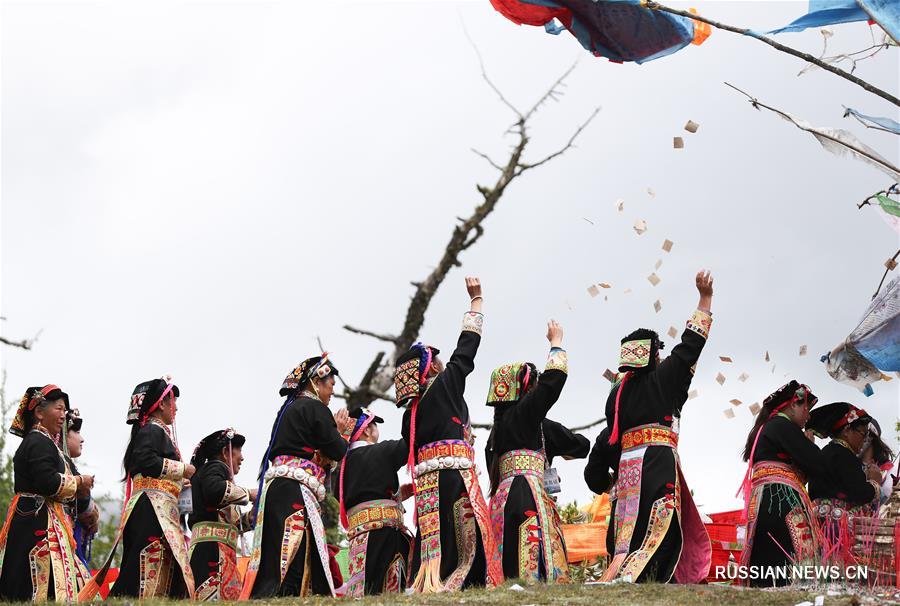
537	403
462	361
677	369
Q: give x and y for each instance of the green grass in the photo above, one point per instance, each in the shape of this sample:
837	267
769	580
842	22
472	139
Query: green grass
594	595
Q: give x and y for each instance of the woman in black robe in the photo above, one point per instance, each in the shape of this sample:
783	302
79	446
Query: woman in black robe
849	490
155	561
37	550
216	521
519	453
370	498
658	533
290	556
454	545
83	511
781	525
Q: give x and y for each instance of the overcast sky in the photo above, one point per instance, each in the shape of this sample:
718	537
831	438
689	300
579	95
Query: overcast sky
203	188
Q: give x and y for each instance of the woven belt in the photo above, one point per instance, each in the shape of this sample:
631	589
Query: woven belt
446	454
372	515
139	483
768	472
301	470
214	532
521	463
649	435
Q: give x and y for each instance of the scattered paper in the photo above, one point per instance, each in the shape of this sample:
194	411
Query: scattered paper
667	245
604	285
626	291
804	604
588	220
803	350
654	279
720	379
605	298
657	306
885	377
678	143
754	408
744	376
767	355
593	290
658	264
640	226
820	600
517	587
773	368
672	332
692	394
609	375
726	359
691	126
650	192
620	204
729	414
735	402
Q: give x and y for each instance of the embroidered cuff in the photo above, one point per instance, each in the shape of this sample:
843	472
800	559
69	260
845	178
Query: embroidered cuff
700	323
172	470
558	360
473	321
234	495
68	486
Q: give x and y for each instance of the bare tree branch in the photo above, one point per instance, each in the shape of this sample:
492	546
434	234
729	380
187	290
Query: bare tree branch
523	167
553	92
599	421
488	158
368	333
24	343
485	76
777	46
469	230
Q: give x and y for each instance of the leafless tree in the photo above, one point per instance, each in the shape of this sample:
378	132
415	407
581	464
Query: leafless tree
378	378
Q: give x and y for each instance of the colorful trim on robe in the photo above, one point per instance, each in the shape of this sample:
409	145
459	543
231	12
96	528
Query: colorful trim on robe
304	523
542	550
806	538
160	556
363	519
53	556
696	552
470	512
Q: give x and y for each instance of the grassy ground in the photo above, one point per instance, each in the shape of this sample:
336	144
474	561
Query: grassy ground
596	595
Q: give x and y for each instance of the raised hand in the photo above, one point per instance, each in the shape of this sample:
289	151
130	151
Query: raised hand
473	286
704	281
189	471
554	333
343	421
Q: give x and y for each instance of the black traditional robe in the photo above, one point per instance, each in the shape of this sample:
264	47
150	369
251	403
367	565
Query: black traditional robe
781	524
523	515
379	544
845	479
442	416
658	531
216	526
289	553
33	567
154	554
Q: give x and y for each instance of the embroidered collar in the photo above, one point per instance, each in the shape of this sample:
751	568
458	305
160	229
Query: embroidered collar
358	444
845	445
311	394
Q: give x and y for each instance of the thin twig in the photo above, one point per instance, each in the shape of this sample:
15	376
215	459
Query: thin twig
778	46
24	343
552	92
368	333
888	267
488	158
484	73
523	167
579	428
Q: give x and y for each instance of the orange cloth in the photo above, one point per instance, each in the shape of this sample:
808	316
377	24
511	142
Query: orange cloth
588	541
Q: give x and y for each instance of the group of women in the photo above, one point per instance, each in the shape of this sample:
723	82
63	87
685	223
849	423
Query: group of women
461	538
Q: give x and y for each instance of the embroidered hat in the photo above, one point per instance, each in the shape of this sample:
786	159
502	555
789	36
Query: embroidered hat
210	446
411	372
73	420
511	381
639	350
317	366
33	397
147	397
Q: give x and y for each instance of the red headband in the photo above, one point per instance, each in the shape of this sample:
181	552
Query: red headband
854	414
37	397
159	400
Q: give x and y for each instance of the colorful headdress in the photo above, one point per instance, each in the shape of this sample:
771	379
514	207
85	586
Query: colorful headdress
789	393
829	420
33	397
364	417
317	366
73	420
411	372
147	397
210	446
639	350
511	381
